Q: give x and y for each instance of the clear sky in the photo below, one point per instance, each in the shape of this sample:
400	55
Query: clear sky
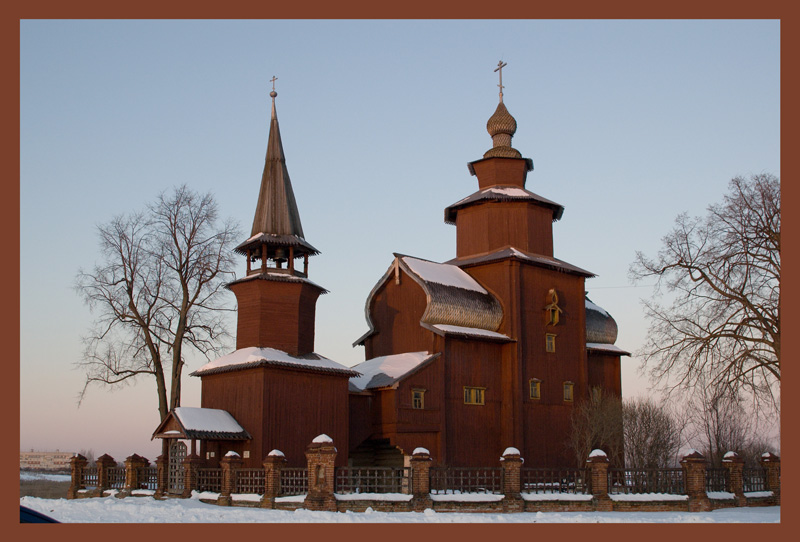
628	123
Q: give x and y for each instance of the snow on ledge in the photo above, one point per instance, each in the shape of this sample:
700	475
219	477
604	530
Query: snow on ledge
231	453
205	495
396	497
276	453
323	438
757	494
720	495
144	492
420	451
597	453
291	498
467	497
649	497
251	497
555	497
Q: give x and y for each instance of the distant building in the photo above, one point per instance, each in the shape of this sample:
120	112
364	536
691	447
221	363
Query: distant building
44	460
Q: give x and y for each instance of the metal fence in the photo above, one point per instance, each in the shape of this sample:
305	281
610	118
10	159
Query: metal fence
116	477
466	480
754	479
717	479
209	479
294	481
554	480
646	481
373	480
250	481
148	477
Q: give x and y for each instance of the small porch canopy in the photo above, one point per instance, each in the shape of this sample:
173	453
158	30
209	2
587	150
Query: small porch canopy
193	423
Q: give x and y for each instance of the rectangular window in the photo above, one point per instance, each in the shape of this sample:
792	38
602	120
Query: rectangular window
550	342
473	396
568	391
597	394
536	388
418	398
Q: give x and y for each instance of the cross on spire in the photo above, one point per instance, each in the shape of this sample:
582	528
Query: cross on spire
273	82
499	68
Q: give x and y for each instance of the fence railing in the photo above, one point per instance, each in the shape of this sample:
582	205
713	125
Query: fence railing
445	480
372	480
147	477
116	477
717	479
294	481
89	477
754	479
646	481
209	479
250	481
554	480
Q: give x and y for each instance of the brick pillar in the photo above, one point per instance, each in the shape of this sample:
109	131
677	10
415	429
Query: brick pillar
321	454
162	473
76	465
230	463
191	463
421	480
104	462
512	480
132	465
598	465
273	464
735	466
694	477
772	464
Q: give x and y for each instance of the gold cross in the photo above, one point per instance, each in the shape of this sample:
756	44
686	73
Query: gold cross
499	68
273	81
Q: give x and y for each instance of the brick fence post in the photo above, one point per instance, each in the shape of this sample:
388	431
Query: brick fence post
191	463
735	466
512	480
230	463
273	464
694	476
104	462
321	455
772	465
421	480
598	481
76	465
162	472
132	465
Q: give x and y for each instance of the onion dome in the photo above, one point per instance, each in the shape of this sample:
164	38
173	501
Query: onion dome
600	326
502	126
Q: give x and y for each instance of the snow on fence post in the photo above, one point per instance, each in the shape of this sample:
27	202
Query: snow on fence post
273	464
598	465
421	479
162	474
772	465
512	482
694	476
132	465
76	465
191	463
230	463
321	455
104	462
735	466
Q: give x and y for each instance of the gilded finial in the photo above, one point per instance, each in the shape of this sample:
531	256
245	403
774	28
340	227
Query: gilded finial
501	126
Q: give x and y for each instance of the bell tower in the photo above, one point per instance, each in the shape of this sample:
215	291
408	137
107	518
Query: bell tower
276	301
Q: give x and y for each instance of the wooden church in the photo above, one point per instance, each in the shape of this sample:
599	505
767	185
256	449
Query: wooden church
465	358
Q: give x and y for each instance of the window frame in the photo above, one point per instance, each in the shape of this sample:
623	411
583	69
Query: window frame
538	388
477	395
550	343
421	392
568	385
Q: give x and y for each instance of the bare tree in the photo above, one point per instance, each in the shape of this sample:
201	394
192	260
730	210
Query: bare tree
652	434
597	423
723	272
156	290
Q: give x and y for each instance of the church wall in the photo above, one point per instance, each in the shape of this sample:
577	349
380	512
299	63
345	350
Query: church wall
604	371
490	226
473	436
396	310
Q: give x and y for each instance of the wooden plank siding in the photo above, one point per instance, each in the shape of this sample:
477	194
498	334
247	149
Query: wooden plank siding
489	226
604	371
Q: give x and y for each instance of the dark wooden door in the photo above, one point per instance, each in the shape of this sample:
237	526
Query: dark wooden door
177	453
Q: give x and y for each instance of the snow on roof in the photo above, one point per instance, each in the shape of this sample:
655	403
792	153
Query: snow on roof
607	348
442	273
597	453
511	451
470	331
420	451
231	453
322	438
253	355
592	307
276	453
731	454
384	371
207	419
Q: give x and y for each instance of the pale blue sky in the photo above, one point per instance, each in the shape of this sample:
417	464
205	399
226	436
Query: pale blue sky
628	124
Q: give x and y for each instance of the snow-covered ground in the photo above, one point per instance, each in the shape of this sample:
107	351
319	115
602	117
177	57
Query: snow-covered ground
44	476
148	510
